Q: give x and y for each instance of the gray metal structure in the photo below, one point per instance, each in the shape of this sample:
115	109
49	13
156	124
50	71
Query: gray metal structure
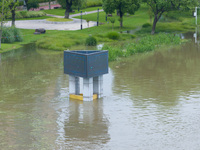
90	65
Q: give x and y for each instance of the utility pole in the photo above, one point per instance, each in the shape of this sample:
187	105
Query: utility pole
98	17
81	21
1	23
196	14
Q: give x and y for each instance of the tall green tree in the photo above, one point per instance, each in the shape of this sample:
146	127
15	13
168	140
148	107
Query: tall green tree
49	4
159	7
4	10
32	4
122	6
26	2
13	4
67	4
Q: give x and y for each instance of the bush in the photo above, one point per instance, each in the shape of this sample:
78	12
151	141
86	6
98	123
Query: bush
17	34
113	35
27	14
145	44
91	41
23	13
146	25
133	36
7	35
32	14
10	35
94	3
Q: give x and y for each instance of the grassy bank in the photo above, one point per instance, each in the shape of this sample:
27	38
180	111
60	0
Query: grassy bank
144	44
62	40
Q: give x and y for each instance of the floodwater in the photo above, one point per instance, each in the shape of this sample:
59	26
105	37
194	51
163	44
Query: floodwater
152	102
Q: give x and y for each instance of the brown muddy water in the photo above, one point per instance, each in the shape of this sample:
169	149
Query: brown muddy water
152	102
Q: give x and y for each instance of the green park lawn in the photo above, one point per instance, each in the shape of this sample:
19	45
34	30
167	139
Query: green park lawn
61	12
61	40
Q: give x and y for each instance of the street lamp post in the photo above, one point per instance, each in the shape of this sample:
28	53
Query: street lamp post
24	7
81	21
196	14
98	17
1	23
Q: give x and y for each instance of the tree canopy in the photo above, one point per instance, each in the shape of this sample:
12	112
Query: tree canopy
158	7
122	6
67	4
32	4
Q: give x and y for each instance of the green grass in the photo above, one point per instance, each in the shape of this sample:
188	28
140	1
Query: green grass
59	19
130	22
61	40
61	12
7	47
145	44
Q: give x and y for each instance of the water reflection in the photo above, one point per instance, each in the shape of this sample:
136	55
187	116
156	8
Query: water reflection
159	77
86	124
27	84
152	102
196	36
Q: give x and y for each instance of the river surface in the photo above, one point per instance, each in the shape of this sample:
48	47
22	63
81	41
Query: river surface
151	102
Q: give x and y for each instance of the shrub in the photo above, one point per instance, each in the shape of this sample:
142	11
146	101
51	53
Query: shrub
27	14
7	35
10	35
113	35
113	52
17	34
23	13
94	3
146	25
145	44
31	14
112	20
17	15
91	41
133	36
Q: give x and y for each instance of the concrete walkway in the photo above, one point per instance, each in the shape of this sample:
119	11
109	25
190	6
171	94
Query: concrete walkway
48	25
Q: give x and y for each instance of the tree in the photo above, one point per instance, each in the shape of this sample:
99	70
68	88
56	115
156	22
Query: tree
26	2
49	4
67	4
4	9
112	20
122	6
32	4
158	7
12	5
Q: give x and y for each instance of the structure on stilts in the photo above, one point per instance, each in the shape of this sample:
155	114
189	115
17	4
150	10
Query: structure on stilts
89	65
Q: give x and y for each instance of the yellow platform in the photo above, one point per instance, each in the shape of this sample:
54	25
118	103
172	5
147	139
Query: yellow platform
80	97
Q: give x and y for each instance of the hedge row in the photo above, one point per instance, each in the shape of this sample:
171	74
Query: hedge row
27	14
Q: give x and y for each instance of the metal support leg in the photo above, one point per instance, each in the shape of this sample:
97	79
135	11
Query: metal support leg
87	89
74	85
98	85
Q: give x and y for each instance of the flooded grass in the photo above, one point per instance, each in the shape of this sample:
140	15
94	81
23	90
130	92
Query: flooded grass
144	44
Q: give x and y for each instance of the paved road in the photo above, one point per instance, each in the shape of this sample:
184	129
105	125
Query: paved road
70	25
